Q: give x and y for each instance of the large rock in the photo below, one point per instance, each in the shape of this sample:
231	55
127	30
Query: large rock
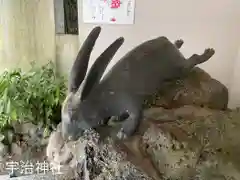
182	143
197	88
89	158
193	142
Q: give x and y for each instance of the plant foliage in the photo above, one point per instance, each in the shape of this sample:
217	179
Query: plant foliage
34	96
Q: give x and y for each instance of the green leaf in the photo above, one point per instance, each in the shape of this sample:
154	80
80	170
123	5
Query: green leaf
46	132
8	110
14	115
32	95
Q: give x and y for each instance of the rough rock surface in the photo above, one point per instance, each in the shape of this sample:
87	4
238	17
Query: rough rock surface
24	142
90	158
197	88
189	142
208	140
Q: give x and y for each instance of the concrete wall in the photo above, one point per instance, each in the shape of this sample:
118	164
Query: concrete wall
27	32
67	47
200	24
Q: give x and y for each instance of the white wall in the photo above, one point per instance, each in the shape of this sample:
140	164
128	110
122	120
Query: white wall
201	24
235	83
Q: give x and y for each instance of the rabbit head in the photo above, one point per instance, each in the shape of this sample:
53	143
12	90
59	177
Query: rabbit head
78	114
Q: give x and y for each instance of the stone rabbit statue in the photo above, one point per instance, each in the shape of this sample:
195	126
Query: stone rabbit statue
123	89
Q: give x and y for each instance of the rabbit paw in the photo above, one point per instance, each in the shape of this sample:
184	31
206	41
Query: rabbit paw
208	53
121	135
178	43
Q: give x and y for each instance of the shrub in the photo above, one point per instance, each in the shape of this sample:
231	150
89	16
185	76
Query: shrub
35	96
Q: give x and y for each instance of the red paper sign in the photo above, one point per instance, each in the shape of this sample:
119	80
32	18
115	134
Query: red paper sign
115	4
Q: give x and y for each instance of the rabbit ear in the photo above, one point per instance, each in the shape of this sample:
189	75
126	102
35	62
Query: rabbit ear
99	66
80	65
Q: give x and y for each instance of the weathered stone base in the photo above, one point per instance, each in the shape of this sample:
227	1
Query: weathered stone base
179	144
